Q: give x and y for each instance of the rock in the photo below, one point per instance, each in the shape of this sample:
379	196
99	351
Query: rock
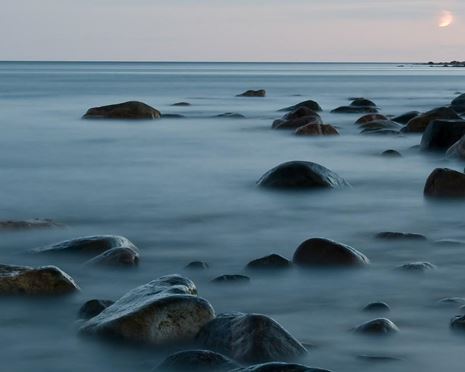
317	130
197	265
312	105
273	261
35	223
378	358
442	134
417	267
116	257
231	115
458	104
362	102
89	245
278	367
163	311
450	242
354	110
419	123
250	338
181	104
25	280
381	124
391	154
380	132
457	150
301	175
380	327
127	110
377	307
296	119
196	361
93	308
253	93
390	235
405	118
458	323
231	279
369	118
321	252
451	302
445	183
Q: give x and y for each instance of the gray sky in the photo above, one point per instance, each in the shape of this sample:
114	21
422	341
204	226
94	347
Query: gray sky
231	30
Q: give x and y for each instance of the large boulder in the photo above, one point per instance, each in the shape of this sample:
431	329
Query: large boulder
279	367
406	117
253	93
445	183
163	311
121	256
419	123
319	252
442	134
127	110
196	361
310	104
25	280
250	338
458	104
297	118
457	150
301	175
317	130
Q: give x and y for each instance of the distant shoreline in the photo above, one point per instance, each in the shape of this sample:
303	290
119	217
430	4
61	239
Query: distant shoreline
445	64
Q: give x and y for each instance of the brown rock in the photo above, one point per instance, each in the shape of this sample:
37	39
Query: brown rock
317	130
132	110
445	183
419	123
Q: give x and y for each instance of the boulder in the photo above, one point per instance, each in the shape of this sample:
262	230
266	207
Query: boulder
377	307
301	175
369	118
451	302
121	256
93	308
417	267
354	110
458	323
230	115
128	110
235	278
25	280
197	265
250	338
394	235
278	367
457	150
163	311
380	124
253	93
312	105
378	327
445	183
419	123
380	132
271	262
196	361
391	154
362	102
405	118
181	104
458	104
297	119
317	130
319	252
442	134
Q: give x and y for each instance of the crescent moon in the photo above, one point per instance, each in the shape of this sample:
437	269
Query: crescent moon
446	18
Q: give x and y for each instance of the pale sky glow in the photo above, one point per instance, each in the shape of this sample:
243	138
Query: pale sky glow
232	30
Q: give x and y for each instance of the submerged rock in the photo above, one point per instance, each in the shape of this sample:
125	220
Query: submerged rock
197	265
25	280
392	154
93	308
181	104
394	235
405	118
354	110
250	338
164	311
271	262
458	104
301	175
377	307
116	257
297	118
317	130
369	118
279	367
231	115
445	183
451	302
419	123
457	150
319	252
36	223
253	93
362	102
310	104
196	361
417	267
380	132
126	110
380	327
172	116
236	278
458	323
380	124
442	134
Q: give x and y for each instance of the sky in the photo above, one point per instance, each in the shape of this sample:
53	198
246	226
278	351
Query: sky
231	30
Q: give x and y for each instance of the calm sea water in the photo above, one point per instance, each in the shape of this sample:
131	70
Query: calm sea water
184	189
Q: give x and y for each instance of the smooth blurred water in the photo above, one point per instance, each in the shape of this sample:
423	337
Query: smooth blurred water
184	189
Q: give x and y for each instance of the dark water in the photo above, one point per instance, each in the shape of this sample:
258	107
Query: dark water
184	189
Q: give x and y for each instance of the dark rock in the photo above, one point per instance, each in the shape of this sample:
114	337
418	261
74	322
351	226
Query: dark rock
278	367
391	235
164	311
362	102
197	265
172	116
369	118
116	257
450	242
445	183
457	150
196	361
442	134
312	105
300	112
317	130
417	267
458	323
250	338
377	307
127	110
381	326
405	118
381	124
327	253
93	308
273	261
301	175
378	358
451	302
392	154
380	132
420	123
231	279
35	223
253	93
231	115
354	110
458	104
89	245
25	280
182	104
297	119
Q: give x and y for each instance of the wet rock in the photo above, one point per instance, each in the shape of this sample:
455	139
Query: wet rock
451	302
362	102
312	105
378	327
458	104
381	124
417	267
450	242
369	118
319	252
250	338
378	358
163	311
301	175
445	183
278	367
317	130
253	93
36	223
354	110
418	124
231	115
377	307
197	265
405	118
127	110
458	323
380	132
297	119
116	257
93	308
394	235
300	112
89	245
196	361
181	104
392	154
457	150
271	262
25	280
442	134
236	278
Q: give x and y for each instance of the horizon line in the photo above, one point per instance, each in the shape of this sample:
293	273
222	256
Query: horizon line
198	61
